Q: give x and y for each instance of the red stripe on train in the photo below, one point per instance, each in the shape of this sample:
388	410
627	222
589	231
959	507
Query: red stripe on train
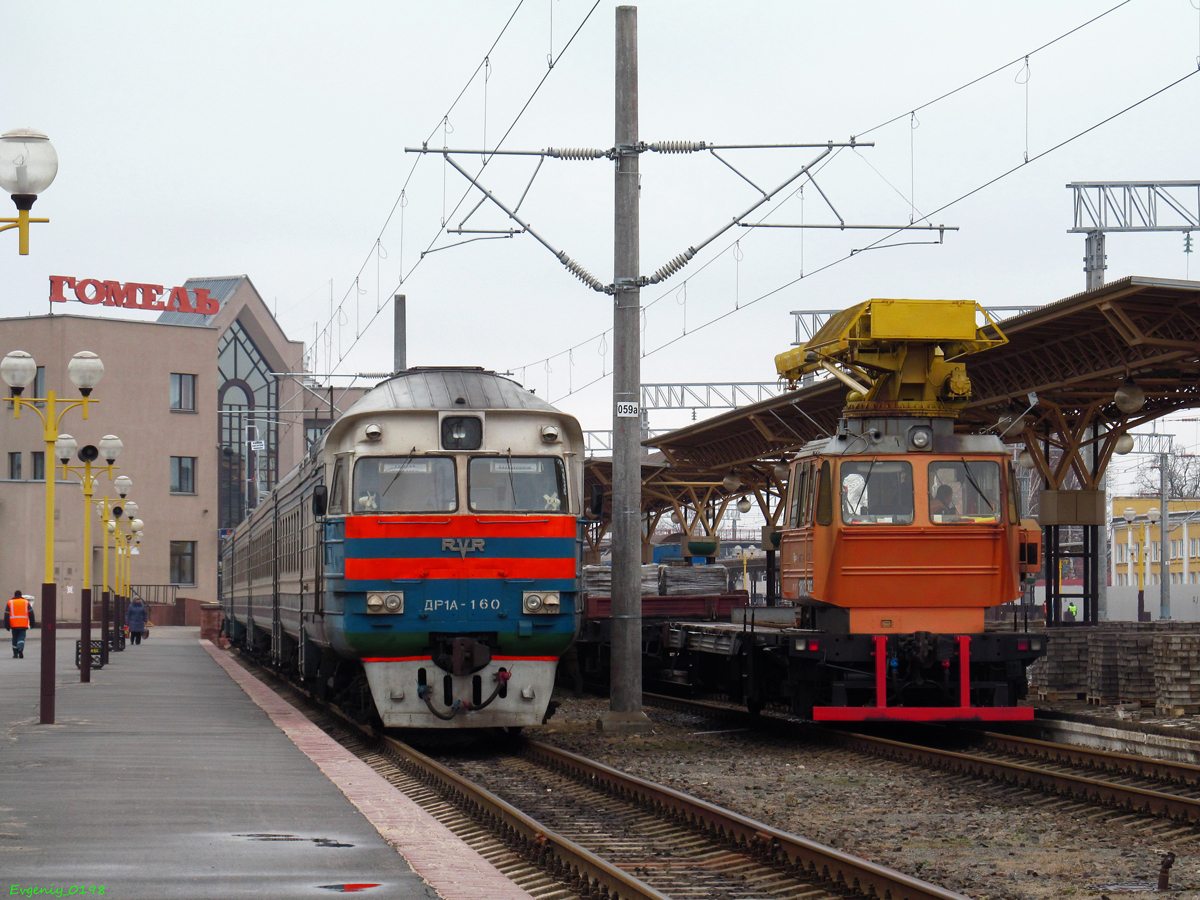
367	659
459	526
393	567
375	659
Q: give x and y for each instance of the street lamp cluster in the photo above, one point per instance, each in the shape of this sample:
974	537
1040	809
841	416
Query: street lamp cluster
85	370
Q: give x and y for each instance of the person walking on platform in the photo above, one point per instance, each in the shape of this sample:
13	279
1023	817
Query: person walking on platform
19	618
135	617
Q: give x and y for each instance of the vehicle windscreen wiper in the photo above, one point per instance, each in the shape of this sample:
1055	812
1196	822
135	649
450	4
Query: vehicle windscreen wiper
866	481
978	490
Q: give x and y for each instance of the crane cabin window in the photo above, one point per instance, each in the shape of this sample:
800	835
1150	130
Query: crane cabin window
963	492
877	492
517	484
399	484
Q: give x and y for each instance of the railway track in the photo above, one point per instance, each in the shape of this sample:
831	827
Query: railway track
1128	784
562	826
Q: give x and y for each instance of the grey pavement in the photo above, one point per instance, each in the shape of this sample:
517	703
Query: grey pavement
161	779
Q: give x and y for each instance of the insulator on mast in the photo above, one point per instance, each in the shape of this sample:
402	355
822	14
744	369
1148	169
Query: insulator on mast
673	266
581	273
678	146
575	153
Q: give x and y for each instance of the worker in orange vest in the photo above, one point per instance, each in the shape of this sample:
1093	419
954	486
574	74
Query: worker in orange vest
19	618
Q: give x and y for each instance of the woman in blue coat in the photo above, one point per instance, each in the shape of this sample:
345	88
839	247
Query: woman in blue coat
135	617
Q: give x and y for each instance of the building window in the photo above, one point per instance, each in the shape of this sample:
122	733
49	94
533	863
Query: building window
1193	547
39	383
314	430
183	474
1176	549
183	562
1119	551
1155	551
39	465
183	392
14	466
248	400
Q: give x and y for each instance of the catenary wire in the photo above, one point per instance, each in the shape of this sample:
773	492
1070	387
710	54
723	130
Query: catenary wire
912	114
881	241
405	275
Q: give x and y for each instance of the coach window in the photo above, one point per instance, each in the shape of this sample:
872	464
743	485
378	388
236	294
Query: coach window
964	492
824	509
517	484
877	492
795	499
405	484
337	489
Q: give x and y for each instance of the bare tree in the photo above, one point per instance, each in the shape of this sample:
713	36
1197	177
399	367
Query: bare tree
1183	475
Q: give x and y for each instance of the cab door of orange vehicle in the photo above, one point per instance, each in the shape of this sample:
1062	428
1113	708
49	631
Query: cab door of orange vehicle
797	542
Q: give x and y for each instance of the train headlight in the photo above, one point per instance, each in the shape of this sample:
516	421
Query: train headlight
540	602
385	603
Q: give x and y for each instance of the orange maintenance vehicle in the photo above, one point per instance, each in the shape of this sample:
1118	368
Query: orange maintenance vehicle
900	531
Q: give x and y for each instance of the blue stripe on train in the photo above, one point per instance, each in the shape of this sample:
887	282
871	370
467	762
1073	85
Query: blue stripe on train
429	548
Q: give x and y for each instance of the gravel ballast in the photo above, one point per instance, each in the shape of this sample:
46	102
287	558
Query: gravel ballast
984	840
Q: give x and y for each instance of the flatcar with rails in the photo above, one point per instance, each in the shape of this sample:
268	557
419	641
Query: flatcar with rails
422	563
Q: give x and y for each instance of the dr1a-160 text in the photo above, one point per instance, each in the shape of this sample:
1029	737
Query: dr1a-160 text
452	605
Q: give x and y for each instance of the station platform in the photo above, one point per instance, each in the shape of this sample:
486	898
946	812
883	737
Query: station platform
176	774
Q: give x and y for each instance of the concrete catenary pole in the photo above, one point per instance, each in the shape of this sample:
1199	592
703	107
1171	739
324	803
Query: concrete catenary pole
625	712
1164	533
400	336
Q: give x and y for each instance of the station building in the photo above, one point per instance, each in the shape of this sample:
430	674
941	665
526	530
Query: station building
1135	559
211	406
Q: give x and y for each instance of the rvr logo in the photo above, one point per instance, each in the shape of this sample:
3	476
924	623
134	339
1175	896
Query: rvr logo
462	545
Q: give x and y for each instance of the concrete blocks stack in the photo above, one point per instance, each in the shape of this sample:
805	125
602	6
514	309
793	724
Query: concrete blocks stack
1066	661
597	580
1177	674
682	581
1103	666
1135	668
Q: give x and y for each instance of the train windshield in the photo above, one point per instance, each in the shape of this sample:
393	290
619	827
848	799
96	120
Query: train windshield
404	484
518	484
964	491
877	492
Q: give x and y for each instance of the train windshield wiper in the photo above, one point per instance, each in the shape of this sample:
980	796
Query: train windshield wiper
862	495
978	489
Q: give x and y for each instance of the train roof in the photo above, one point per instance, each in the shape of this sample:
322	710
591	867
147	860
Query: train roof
467	387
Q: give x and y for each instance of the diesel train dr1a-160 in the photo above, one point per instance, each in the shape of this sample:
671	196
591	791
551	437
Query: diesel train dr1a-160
423	561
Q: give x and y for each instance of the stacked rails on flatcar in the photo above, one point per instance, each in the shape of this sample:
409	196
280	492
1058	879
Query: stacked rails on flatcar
424	560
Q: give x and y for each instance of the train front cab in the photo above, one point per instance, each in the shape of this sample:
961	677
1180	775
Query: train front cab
452	575
898	556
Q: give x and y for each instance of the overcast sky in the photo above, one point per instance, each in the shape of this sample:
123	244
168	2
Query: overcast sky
268	139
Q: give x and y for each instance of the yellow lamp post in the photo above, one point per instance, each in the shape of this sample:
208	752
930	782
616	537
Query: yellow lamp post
109	449
126	540
19	370
107	509
28	165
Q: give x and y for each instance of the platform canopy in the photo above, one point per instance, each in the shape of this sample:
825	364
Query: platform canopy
1073	354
